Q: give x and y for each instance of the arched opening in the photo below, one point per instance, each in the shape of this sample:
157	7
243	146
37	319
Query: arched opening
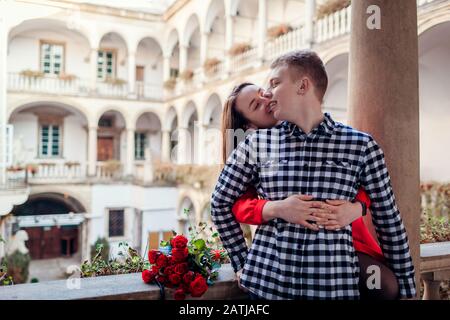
147	135
111	136
189	138
52	222
434	97
213	137
174	53
44	132
215	28
246	23
192	40
335	100
149	68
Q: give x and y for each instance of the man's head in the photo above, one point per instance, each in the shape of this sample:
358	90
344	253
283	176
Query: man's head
297	80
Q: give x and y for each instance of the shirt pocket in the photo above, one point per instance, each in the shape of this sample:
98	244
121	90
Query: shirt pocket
275	175
335	178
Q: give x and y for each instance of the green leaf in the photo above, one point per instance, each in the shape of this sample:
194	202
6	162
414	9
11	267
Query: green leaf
199	244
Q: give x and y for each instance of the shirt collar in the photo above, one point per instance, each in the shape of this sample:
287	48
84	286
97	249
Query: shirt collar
326	127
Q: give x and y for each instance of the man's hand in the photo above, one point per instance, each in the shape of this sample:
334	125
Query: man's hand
341	214
297	209
238	277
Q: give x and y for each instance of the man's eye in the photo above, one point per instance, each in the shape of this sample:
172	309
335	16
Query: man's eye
257	106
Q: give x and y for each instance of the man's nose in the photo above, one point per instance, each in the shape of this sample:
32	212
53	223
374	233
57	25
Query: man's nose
267	94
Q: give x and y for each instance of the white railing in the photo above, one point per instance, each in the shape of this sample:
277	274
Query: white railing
244	60
216	72
47	84
109	171
148	91
333	25
287	42
56	171
106	89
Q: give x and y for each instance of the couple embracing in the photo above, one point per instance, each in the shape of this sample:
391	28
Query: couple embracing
309	184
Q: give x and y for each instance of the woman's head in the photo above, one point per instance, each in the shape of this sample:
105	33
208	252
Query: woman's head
245	108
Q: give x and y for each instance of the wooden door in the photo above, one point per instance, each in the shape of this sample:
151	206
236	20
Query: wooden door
34	241
44	242
140	73
140	81
105	148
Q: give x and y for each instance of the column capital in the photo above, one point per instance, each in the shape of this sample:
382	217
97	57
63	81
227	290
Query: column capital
93	128
130	129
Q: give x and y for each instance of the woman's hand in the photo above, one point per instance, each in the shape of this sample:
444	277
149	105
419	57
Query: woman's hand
297	209
341	214
238	277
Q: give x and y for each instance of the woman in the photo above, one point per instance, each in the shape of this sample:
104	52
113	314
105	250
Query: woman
248	108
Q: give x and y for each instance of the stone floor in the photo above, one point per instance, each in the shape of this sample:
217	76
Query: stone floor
51	269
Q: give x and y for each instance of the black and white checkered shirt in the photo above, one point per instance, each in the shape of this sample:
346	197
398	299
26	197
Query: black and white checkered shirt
289	261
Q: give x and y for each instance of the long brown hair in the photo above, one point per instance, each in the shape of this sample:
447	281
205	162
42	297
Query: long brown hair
232	119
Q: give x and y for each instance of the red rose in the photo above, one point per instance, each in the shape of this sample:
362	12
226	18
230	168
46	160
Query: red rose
180	254
170	260
179	242
198	286
188	277
185	288
155	269
148	276
175	278
181	268
161	261
153	255
161	279
216	255
179	294
168	270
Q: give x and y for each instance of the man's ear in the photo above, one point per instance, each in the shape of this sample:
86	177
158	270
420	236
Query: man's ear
303	86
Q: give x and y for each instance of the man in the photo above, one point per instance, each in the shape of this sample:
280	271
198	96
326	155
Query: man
308	153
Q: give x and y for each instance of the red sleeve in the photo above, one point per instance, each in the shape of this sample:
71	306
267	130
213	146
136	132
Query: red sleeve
362	196
248	208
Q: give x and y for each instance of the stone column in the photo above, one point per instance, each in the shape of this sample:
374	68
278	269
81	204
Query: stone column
204	47
384	98
92	151
183	57
131	72
93	68
308	29
165	146
166	68
262	28
201	143
229	39
3	90
184	146
129	164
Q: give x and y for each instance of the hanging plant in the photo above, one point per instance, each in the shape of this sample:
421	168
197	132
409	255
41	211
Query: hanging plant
330	7
32	74
67	77
278	30
210	65
115	81
187	75
239	48
170	83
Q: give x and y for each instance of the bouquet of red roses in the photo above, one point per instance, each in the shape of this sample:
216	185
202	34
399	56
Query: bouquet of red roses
188	267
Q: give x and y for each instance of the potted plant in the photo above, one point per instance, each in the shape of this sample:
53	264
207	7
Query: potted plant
239	48
210	65
187	75
31	74
112	167
331	6
32	168
278	30
170	83
67	77
115	81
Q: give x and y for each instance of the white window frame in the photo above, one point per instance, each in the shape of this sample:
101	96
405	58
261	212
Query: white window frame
50	142
102	69
52	58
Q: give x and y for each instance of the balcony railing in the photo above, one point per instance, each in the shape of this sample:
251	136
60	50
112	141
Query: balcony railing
57	171
80	87
285	43
333	25
244	60
52	85
108	171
